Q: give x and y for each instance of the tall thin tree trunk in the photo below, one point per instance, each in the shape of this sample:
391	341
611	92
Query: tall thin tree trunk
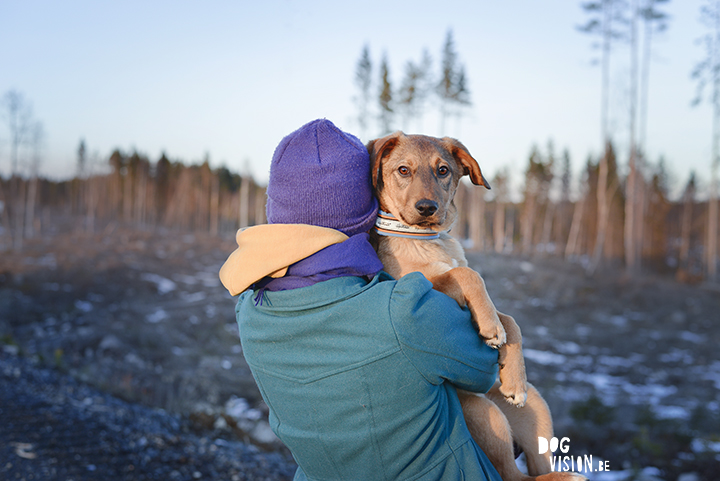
127	196
259	206
571	247
602	197
546	236
603	209
499	226
712	231
244	212
92	187
527	224
30	209
644	84
686	227
19	214
215	205
510	229
631	261
711	257
641	194
140	195
5	219
477	219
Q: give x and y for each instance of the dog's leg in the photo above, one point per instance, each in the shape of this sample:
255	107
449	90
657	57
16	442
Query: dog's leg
527	424
468	288
512	364
491	431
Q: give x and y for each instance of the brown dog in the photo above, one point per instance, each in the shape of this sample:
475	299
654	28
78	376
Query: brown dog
415	179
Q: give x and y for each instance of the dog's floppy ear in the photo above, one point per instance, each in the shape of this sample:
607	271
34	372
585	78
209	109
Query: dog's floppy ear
378	149
466	161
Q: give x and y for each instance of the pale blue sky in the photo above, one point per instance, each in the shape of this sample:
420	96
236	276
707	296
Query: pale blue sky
231	78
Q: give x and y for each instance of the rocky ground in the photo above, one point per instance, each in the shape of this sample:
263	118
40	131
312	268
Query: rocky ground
98	332
54	427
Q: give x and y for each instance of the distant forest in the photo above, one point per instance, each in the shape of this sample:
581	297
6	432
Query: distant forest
620	217
137	193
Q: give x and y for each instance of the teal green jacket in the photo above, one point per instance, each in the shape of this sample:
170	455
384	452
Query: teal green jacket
360	378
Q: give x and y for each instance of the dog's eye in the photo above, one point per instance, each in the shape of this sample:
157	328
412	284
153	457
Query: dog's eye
403	170
443	171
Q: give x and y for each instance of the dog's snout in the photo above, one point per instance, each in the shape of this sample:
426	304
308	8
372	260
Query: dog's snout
426	207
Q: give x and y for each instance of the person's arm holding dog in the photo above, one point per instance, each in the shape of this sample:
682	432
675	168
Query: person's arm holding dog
441	351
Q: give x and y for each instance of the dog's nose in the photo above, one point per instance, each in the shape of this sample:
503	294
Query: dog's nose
426	207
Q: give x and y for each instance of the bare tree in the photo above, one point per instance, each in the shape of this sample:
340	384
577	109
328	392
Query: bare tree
93	188
630	240
476	219
688	199
564	216
708	72
654	21
215	205
244	212
634	188
37	139
500	189
18	113
606	15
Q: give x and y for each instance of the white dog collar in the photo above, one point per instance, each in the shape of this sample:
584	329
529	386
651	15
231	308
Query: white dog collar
387	224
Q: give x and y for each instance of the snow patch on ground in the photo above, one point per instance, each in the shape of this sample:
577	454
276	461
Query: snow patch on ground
164	285
156	316
544	357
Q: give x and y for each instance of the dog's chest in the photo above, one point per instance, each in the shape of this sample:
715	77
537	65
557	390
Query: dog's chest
401	256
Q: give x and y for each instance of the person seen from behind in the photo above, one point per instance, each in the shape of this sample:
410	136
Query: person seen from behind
359	370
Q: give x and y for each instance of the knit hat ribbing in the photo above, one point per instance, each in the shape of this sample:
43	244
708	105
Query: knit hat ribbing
320	175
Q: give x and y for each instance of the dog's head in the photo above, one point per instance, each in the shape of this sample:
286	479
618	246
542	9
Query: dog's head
415	177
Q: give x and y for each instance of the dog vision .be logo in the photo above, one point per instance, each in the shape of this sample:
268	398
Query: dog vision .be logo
566	462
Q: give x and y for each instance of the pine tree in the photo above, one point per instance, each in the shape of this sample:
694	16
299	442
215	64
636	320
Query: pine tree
538	177
385	98
414	90
363	81
452	88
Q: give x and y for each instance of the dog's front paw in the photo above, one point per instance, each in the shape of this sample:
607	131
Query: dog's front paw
493	332
513	385
515	395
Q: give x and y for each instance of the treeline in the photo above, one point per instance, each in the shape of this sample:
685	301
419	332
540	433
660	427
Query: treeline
424	84
554	217
132	192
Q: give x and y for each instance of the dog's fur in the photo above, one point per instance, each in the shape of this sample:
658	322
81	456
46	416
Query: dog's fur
415	178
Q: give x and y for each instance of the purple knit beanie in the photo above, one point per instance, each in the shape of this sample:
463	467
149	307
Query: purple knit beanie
320	175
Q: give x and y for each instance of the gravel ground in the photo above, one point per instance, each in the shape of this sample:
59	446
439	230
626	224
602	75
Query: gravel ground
55	428
629	366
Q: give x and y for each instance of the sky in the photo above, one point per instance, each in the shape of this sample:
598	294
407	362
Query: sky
229	79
